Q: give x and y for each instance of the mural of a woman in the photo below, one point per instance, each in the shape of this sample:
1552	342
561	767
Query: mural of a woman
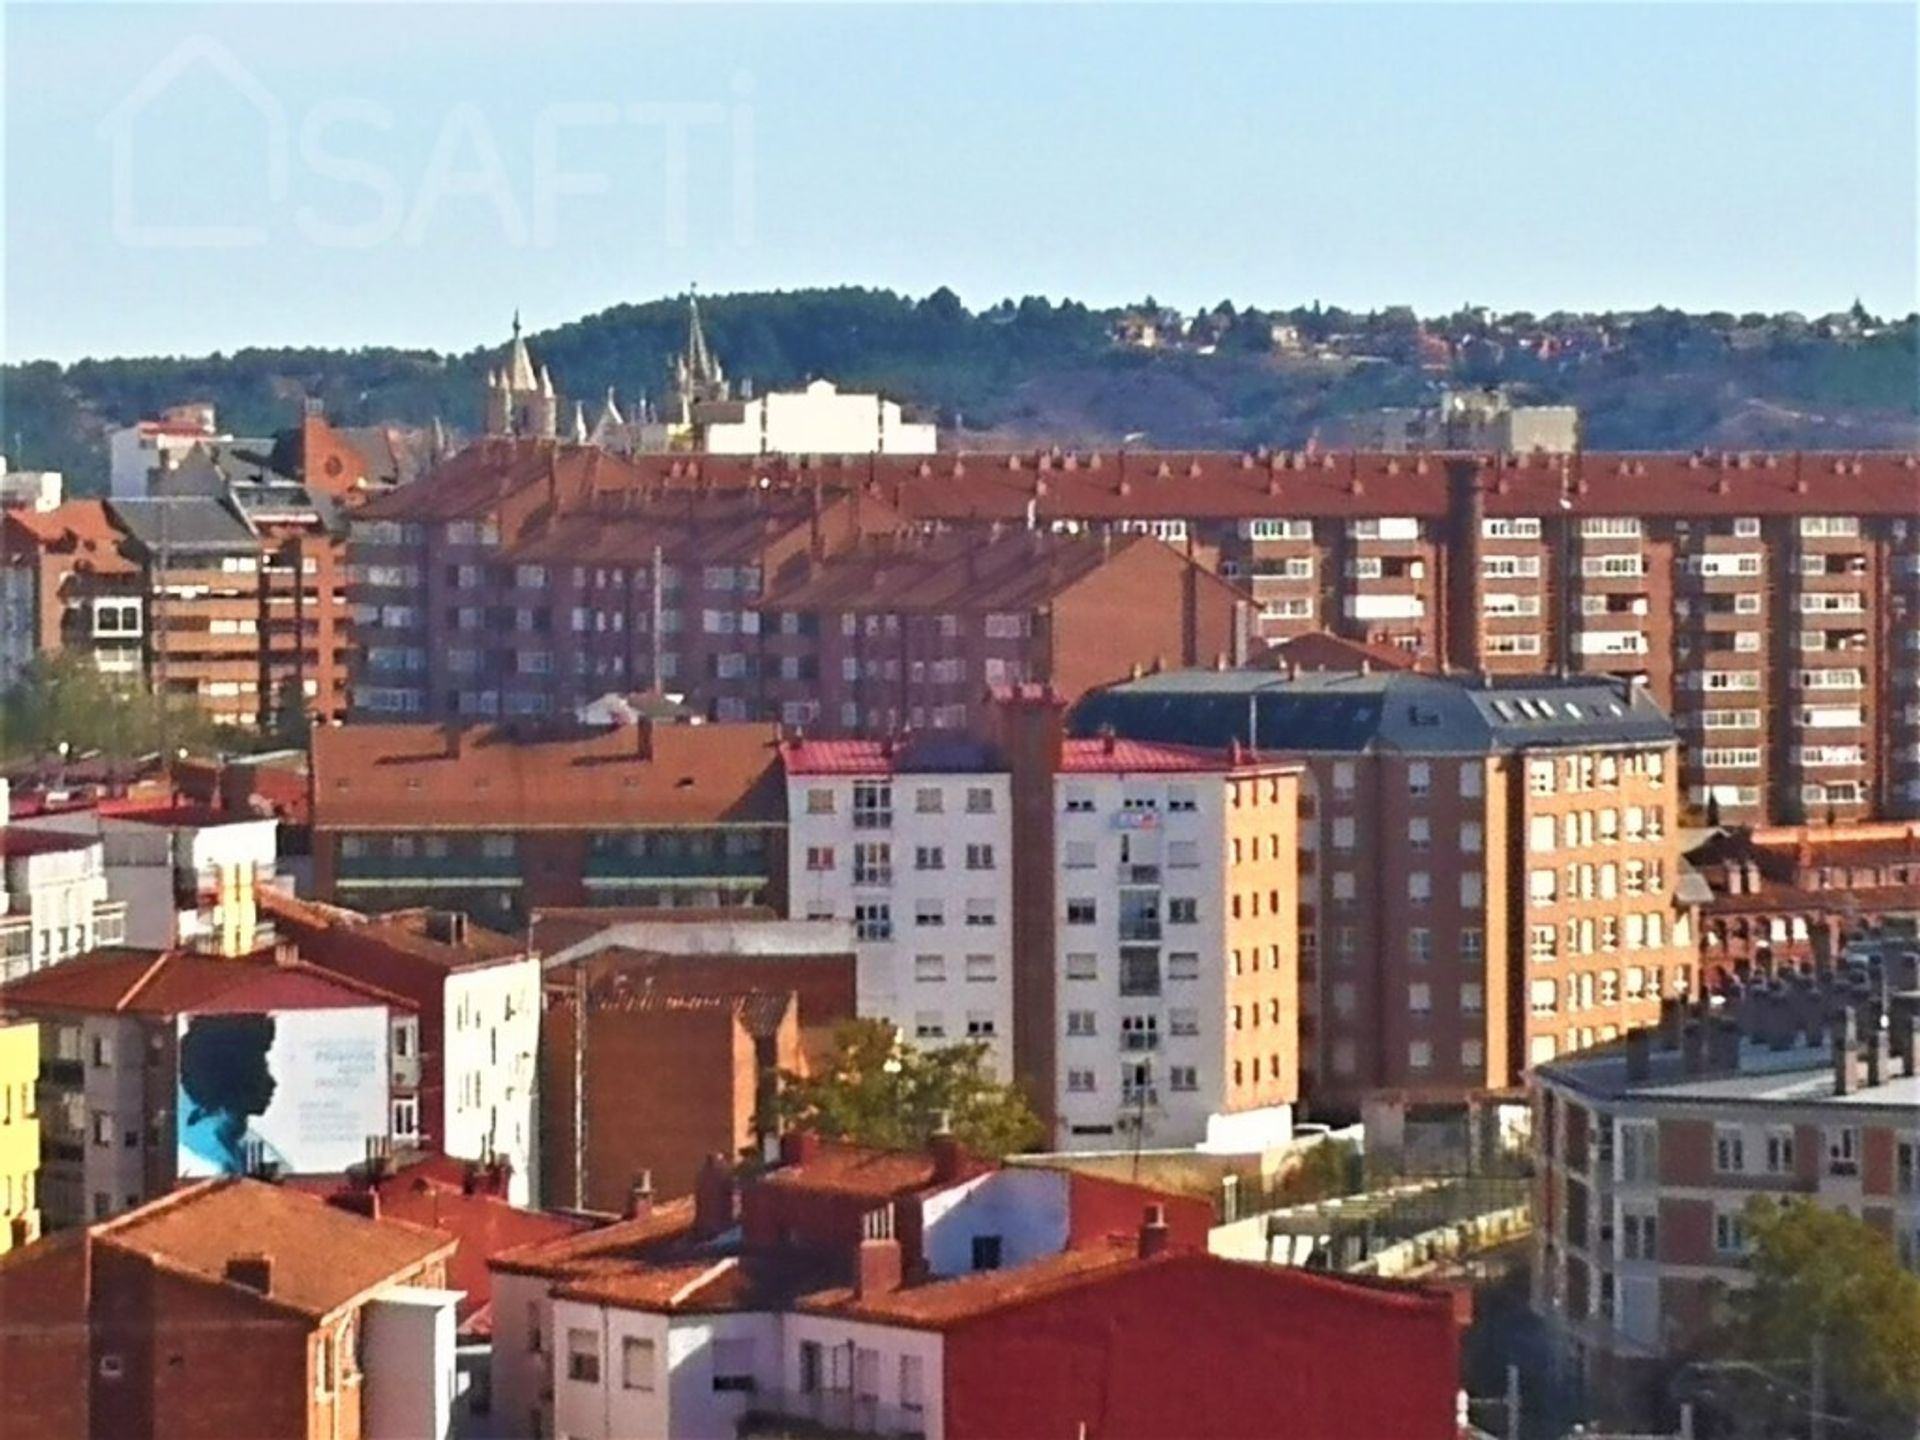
225	1080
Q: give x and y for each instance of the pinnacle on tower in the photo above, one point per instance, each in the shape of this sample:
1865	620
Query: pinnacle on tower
579	423
519	374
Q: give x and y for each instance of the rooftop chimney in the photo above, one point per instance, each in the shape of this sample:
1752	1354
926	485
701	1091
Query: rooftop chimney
640	1195
944	1146
1693	1047
713	1197
255	1271
1846	1051
354	1202
1640	1054
877	1266
1153	1231
1879	1047
797	1147
1904	1033
1673	1019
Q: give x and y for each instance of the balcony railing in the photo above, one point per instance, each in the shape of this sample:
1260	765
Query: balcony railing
1140	928
1139	874
826	1414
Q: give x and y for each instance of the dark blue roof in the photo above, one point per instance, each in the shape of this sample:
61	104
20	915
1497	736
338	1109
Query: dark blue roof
1398	710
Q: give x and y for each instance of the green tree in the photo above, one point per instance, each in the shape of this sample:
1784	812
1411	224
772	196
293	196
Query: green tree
1824	1277
875	1089
63	699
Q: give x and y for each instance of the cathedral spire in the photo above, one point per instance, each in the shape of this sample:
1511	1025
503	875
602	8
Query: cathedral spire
520	374
579	423
701	369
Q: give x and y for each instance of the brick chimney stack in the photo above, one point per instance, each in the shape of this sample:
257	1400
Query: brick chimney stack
713	1198
948	1154
640	1195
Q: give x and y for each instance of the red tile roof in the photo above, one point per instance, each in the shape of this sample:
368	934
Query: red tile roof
942	1303
854	1170
81	528
323	1257
16	844
406	931
699	1285
615	1244
922	754
426	777
1119	756
948	572
178	982
430	1193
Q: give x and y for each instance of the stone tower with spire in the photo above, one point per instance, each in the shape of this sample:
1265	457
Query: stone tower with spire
520	400
697	376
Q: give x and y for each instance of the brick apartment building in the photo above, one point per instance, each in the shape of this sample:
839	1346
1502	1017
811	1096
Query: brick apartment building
234	602
1488	868
228	1309
1648	1152
1784	895
527	579
500	821
1769	600
689	1020
931	1295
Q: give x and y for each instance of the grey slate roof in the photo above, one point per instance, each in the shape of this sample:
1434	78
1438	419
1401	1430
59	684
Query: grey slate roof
1397	710
190	523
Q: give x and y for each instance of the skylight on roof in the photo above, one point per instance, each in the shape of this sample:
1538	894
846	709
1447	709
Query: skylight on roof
1503	710
1573	710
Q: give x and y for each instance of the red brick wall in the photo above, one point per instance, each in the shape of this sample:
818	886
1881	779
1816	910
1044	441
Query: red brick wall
1686	1232
1206	1350
44	1365
198	1359
1098	1209
1686	1152
665	1089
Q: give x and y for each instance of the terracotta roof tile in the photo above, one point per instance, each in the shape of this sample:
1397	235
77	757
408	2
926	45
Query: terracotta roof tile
855	1170
621	1242
1100	756
178	982
923	754
448	777
82	528
323	1257
966	1297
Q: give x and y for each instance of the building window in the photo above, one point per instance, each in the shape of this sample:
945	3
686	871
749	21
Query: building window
1419	887
927	800
733	1365
1419	833
1419	997
981	969
1183	911
636	1364
1183	1077
406	1117
873	920
981	1025
1183	965
1843	1150
929	857
1729	1150
583	1357
1080	1022
1419	944
819	857
979	857
872	805
1471	780
1083	966
1080	1082
929	1025
873	863
912	1383
1780	1152
1473	944
979	800
1473	1054
1419	778
819	802
1729	1232
1419	1055
1343	777
1081	912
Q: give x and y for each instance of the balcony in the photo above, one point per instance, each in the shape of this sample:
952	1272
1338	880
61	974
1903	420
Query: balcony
1140	1040
619	864
827	1415
1139	927
1139	874
463	869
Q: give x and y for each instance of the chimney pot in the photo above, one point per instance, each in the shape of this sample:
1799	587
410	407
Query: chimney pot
640	1196
1153	1231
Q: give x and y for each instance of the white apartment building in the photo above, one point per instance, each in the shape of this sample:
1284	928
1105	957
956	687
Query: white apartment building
490	1043
1176	955
54	900
137	452
818	420
912	843
183	874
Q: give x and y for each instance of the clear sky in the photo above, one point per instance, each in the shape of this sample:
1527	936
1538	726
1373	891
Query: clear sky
383	175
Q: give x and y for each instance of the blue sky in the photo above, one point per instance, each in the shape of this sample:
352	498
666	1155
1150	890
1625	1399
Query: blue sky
1535	156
